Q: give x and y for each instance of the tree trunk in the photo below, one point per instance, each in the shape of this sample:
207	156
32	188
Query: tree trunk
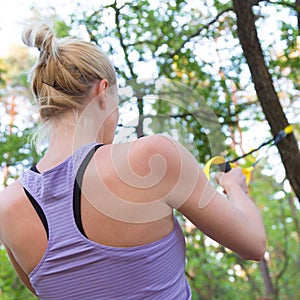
288	147
269	289
298	13
140	126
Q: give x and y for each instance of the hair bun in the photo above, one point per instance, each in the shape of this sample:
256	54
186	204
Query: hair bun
41	36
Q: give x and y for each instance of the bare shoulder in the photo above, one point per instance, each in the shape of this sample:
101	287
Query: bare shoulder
147	154
18	218
14	217
158	143
157	165
11	199
153	145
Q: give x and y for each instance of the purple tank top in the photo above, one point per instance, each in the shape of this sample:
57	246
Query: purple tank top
74	267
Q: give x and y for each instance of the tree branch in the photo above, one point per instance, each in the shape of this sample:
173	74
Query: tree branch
284	251
283	3
195	34
121	40
295	7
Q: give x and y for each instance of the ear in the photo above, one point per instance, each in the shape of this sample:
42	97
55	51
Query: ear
102	88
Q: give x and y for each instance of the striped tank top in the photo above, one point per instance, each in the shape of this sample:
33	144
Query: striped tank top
74	267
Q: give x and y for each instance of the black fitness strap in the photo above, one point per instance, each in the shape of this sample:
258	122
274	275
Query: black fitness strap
77	188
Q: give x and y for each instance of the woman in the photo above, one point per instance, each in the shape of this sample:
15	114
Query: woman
94	220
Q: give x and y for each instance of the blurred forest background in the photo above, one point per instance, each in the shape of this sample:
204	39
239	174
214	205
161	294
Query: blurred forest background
234	63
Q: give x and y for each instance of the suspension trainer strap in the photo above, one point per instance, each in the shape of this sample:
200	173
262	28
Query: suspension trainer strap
225	166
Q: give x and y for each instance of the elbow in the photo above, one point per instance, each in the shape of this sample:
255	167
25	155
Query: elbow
258	256
257	252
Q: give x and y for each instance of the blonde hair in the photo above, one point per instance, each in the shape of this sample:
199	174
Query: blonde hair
65	71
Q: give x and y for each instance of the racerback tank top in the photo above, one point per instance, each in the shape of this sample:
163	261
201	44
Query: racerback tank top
74	267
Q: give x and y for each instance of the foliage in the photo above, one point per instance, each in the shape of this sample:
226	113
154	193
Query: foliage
18	65
2	72
16	152
11	287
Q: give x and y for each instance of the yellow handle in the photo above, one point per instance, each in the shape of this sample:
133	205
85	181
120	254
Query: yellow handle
213	161
220	160
247	173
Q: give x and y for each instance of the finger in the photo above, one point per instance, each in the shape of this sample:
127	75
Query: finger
219	177
245	187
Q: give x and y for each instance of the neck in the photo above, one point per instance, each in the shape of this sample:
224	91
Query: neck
71	132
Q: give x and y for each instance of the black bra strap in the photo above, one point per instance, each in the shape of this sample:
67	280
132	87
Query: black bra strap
77	188
38	210
34	169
